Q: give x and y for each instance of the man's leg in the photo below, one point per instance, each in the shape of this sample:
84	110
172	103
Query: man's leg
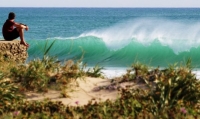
21	35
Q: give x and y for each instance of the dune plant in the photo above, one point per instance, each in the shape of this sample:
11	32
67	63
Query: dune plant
96	71
5	65
9	95
66	77
31	77
136	73
139	68
50	62
36	74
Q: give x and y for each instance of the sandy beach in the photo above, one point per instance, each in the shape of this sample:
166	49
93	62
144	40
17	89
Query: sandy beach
81	94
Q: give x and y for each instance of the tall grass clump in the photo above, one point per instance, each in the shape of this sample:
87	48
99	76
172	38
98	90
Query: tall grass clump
95	71
33	76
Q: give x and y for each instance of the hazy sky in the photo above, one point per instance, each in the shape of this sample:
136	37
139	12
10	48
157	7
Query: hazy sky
100	3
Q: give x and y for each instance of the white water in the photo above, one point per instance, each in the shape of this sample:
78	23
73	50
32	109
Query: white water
178	35
116	72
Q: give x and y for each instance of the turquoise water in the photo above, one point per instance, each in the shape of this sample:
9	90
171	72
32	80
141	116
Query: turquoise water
113	37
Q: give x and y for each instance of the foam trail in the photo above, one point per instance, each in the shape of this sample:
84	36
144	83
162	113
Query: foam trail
64	38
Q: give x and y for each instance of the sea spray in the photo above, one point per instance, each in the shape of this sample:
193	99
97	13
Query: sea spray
181	37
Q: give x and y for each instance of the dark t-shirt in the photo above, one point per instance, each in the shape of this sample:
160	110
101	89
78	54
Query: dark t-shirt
7	28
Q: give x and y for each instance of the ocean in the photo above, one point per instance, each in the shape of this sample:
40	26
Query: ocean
113	38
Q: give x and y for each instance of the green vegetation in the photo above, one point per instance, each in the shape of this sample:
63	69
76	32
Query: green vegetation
171	93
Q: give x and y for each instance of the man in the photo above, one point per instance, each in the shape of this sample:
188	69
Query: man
12	30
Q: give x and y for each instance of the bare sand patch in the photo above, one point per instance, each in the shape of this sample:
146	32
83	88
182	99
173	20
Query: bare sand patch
81	94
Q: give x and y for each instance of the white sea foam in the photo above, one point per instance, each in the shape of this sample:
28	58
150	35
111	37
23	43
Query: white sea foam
111	72
178	35
197	73
64	38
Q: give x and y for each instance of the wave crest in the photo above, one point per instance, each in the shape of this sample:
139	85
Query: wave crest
178	35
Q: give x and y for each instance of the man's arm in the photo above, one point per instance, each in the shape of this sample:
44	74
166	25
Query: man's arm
20	25
23	24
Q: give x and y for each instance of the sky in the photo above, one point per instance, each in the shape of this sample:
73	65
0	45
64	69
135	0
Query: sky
100	3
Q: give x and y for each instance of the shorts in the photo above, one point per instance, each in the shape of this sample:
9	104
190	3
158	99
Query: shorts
12	35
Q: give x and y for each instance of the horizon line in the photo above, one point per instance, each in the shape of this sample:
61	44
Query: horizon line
96	7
